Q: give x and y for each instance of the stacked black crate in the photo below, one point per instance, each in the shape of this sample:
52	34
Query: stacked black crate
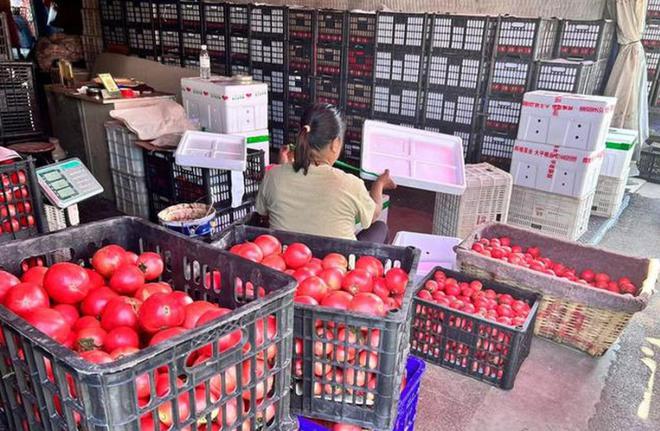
113	25
651	43
359	81
331	45
215	35
168	32
399	67
301	67
140	29
239	39
268	58
192	34
460	48
19	110
583	50
519	43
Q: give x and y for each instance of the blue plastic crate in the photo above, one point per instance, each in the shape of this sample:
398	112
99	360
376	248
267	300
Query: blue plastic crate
405	420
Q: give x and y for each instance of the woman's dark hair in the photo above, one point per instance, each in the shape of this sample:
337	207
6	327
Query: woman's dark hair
320	125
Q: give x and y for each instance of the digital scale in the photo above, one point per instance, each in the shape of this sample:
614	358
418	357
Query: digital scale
68	182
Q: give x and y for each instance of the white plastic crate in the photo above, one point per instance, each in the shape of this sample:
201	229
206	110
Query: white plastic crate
416	158
486	199
552	214
125	156
212	150
619	148
131	196
435	250
609	195
568	120
555	169
58	219
226	105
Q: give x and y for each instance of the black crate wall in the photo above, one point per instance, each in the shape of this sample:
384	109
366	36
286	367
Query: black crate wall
140	29
651	43
113	24
585	40
215	35
19	111
239	38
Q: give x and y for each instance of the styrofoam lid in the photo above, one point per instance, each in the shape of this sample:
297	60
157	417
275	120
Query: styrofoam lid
416	158
212	150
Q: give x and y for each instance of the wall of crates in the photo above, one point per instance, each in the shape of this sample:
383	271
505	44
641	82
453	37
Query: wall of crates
456	74
651	43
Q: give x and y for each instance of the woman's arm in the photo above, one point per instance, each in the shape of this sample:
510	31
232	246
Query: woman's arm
384	182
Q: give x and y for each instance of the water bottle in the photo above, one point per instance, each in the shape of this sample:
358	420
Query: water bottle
204	63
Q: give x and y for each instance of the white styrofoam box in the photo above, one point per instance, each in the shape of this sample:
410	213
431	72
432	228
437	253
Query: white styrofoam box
609	195
619	147
416	158
258	140
552	214
226	105
383	214
435	250
554	169
212	150
568	120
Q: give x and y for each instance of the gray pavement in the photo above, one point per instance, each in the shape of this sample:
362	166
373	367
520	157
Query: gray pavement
560	389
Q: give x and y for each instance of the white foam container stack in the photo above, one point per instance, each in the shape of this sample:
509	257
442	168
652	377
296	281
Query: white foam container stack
555	169
609	195
619	148
212	150
566	120
226	105
125	155
435	250
560	216
486	199
416	158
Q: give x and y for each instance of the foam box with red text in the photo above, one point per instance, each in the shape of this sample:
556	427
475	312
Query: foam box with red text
568	120
555	169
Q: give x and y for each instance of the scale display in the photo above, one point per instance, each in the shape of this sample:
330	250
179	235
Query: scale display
68	182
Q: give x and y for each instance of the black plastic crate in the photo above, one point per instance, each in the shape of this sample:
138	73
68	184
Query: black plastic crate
239	69
158	173
569	76
330	60
111	10
48	386
403	30
214	186
380	401
268	21
215	17
649	164
226	217
462	34
496	148
526	37
168	14
139	12
268	52
451	107
114	36
396	103
652	64
300	88
217	47
302	57
362	28
651	36
456	72
21	209
190	61
141	42
239	19
191	16
653	9
503	114
294	113
5	44
511	76
239	50
468	343
276	111
170	47
359	96
19	110
399	66
598	78
332	26
191	41
469	134
276	79
360	61
353	141
302	23
278	135
329	90
586	40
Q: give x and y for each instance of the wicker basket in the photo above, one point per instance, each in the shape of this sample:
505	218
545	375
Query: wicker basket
588	319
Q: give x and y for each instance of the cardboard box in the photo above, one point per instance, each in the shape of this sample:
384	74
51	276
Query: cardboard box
554	169
567	120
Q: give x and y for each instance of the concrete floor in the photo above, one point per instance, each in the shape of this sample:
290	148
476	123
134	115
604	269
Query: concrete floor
559	388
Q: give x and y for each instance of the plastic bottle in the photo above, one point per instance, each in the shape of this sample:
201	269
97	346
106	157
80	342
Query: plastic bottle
204	63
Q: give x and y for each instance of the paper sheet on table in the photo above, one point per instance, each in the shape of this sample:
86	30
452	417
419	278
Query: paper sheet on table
153	121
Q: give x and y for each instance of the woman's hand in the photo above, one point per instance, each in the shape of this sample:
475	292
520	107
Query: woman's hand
286	155
385	181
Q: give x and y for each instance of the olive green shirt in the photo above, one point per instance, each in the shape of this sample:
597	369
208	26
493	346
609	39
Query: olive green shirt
326	201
